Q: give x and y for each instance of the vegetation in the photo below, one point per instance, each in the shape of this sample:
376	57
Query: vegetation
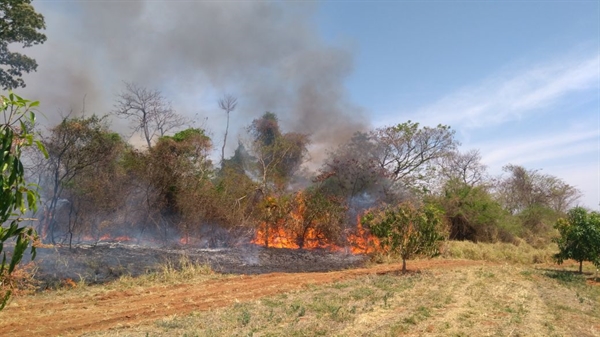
18	197
454	302
96	184
19	24
579	237
407	230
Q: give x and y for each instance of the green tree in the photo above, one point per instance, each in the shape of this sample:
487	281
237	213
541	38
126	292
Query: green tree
19	23
18	197
579	237
407	230
472	213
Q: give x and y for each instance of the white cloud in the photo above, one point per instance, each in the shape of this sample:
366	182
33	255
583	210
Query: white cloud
511	94
553	145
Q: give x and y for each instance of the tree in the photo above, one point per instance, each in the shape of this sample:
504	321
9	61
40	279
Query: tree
227	104
407	230
76	147
464	167
353	169
408	152
316	217
17	197
523	189
151	113
276	156
472	212
19	23
579	237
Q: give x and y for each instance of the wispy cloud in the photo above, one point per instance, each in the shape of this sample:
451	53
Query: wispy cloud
513	93
550	146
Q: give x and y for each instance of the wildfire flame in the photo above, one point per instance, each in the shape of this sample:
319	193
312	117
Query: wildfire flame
358	240
107	237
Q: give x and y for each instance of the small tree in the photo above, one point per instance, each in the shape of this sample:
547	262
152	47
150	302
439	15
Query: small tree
407	230
17	196
579	237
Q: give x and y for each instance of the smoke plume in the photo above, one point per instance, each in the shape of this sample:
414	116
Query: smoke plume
267	54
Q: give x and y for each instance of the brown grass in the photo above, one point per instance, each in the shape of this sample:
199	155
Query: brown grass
509	296
480	300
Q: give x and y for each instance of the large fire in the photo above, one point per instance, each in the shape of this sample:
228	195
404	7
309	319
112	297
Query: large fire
302	227
358	240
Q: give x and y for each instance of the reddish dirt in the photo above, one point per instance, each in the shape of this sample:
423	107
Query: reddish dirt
76	314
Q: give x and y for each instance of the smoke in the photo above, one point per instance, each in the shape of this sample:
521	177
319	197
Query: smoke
268	54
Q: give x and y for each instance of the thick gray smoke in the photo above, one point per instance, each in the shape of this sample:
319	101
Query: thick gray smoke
267	54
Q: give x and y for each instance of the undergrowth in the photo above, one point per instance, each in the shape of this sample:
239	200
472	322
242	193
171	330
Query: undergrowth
520	253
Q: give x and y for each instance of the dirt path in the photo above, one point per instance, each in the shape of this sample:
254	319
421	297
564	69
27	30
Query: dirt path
75	314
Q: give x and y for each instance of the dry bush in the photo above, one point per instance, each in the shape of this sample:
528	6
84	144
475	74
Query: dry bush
521	252
20	282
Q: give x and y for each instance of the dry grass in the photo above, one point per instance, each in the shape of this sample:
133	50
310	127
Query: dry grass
488	300
509	296
183	271
522	253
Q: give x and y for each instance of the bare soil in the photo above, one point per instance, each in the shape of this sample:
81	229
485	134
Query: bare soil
78	312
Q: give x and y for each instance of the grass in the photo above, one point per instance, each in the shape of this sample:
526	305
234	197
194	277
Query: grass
522	253
518	294
487	300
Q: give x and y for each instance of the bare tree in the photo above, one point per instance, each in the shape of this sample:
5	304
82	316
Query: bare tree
524	188
151	113
466	167
408	153
227	104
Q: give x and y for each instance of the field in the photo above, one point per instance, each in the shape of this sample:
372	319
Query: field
440	297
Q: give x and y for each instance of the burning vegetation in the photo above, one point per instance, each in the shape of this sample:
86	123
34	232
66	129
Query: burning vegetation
97	188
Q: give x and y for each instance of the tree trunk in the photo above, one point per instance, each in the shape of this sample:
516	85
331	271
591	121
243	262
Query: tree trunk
403	265
581	267
224	141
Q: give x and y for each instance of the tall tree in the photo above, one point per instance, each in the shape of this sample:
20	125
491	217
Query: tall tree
19	24
408	152
151	113
524	188
277	156
465	167
227	104
74	146
353	168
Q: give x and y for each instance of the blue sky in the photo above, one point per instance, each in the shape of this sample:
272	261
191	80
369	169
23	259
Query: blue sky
517	80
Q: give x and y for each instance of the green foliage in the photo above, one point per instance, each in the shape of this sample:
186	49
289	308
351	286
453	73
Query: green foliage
19	23
473	213
17	196
408	230
579	237
188	134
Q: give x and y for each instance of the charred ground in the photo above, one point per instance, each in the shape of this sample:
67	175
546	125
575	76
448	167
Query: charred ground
106	261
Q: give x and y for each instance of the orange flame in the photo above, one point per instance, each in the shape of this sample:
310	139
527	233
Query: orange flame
358	240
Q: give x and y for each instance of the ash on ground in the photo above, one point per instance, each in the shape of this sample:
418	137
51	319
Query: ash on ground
103	262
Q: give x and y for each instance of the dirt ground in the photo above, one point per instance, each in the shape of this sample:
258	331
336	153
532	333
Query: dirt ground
78	312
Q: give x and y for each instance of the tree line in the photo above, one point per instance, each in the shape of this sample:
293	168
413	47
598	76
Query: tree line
95	182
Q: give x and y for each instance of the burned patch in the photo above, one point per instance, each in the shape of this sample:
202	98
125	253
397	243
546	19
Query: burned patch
106	261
